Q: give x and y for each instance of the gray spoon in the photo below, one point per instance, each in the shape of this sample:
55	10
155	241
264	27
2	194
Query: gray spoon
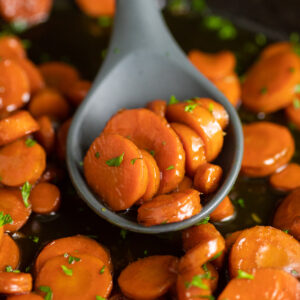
145	63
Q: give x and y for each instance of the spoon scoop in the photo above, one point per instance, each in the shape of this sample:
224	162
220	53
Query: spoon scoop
145	63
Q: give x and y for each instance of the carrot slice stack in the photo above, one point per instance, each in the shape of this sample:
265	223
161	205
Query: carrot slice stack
158	106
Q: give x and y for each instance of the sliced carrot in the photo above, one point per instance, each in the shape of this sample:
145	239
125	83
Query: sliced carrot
267	284
16	125
11	47
286	179
153	176
275	49
14	83
15	283
207	178
120	183
185	184
85	278
150	132
262	247
200	120
288	213
170	208
264	151
49	102
223	211
9	253
45	198
46	134
62	135
77	92
15	10
193	146
213	65
270	83
21	162
11	202
158	106
292	112
75	245
59	75
148	278
95	8
230	86
231	238
30	296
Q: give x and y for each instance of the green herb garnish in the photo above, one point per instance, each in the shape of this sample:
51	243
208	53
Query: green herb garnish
211	108
97	154
105	21
5	219
240	202
9	269
204	221
296	103
34	238
66	270
173	100
71	259
244	275
25	191
197	282
292	70
263	90
116	161
286	231
256	218
100	298
260	39
102	270
47	290
297	88
216	256
190	107
152	152
294	272
123	233
30	142
170	168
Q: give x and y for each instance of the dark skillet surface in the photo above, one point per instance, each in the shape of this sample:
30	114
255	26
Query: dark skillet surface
74	38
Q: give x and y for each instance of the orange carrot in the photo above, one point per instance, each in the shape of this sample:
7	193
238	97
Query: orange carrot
96	8
207	178
46	134
292	112
21	161
16	125
276	48
9	253
158	106
231	238
30	296
15	283
11	47
264	152
170	208
77	92
148	278
62	135
185	184
223	211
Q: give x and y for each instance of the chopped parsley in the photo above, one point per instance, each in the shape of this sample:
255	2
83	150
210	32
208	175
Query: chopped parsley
210	297
145	252
170	168
211	108
197	282
100	298
116	161
216	256
286	231
30	142
47	290
173	100
297	88
9	269
296	103
34	238
5	219
164	143
204	221
263	90
256	218
240	202
102	270
244	275
294	272
25	191
190	107
292	70
123	233
97	154
105	21
66	270
71	259
152	152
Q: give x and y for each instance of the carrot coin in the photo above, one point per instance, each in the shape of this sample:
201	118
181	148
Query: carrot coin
14	83
231	238
270	83
264	151
202	121
266	284
21	161
193	146
16	125
11	202
288	213
45	198
148	278
62	135
49	102
150	132
46	134
262	247
292	112
276	48
95	8
11	47
158	106
185	184
76	245
170	208
207	178
15	283
9	253
224	211
77	92
30	296
81	279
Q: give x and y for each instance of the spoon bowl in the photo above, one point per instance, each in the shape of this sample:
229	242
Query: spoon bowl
145	63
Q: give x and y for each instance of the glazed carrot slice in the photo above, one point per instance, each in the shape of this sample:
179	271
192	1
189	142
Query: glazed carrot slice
202	121
170	208
62	135
264	246
30	296
185	184
231	238
45	198
46	133
95	8
224	211
75	245
49	102
288	213
21	161
150	132
292	112
230	86
153	176
11	47
216	109
9	253
193	146
267	284
148	278
15	88
264	152
286	179
207	178
17	125
77	91
85	278
111	173
275	49
59	75
158	106
15	283
11	202
16	10
213	65
270	83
